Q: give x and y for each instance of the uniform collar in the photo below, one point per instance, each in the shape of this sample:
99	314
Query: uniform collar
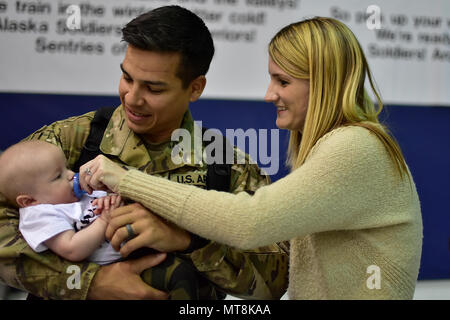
120	141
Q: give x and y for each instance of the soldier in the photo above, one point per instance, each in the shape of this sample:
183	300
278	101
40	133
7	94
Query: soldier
168	56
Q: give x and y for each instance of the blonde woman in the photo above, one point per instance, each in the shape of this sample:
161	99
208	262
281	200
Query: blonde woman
349	207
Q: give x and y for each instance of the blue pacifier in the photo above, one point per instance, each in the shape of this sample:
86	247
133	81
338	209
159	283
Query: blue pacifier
76	187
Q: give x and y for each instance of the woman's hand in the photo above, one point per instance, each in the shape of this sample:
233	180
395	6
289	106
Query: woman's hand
100	174
149	231
122	281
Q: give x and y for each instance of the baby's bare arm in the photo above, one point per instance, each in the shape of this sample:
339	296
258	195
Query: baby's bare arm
77	246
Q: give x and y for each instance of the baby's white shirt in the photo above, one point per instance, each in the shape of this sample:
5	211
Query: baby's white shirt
44	221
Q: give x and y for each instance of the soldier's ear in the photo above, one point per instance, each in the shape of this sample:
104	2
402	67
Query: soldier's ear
25	200
197	86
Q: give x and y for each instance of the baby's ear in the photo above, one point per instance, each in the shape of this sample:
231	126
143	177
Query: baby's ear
25	200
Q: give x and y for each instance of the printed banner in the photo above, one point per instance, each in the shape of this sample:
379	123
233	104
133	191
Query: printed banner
74	47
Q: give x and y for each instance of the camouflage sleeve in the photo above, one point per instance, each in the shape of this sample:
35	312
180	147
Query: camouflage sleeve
45	274
261	273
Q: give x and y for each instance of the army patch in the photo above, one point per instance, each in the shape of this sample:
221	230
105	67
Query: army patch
193	178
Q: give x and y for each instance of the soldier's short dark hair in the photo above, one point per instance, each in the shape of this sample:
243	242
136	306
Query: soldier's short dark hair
174	29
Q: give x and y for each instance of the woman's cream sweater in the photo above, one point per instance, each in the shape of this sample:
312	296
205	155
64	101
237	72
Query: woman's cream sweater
354	225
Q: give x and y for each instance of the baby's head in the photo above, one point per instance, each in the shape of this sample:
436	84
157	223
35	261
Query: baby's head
35	172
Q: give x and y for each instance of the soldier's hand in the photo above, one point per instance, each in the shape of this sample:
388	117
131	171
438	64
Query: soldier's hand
122	281
150	231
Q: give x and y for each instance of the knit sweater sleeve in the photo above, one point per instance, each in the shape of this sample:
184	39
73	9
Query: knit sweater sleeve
339	187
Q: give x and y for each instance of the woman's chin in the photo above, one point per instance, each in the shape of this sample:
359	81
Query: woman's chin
281	124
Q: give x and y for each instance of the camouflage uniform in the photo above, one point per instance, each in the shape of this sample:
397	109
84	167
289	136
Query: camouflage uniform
254	274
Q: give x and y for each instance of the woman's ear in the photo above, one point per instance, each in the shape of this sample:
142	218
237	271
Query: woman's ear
25	200
197	86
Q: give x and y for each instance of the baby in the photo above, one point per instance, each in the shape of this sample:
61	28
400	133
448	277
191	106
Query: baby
34	177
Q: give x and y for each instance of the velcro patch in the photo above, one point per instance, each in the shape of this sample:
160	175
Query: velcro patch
194	178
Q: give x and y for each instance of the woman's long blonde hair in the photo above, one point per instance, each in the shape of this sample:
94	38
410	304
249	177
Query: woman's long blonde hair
327	53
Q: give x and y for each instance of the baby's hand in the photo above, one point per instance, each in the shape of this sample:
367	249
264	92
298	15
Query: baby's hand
106	204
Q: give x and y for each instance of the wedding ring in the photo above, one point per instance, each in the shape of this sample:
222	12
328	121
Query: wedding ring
130	231
88	171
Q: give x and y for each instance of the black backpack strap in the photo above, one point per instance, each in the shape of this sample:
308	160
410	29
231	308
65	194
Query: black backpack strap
218	175
91	147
